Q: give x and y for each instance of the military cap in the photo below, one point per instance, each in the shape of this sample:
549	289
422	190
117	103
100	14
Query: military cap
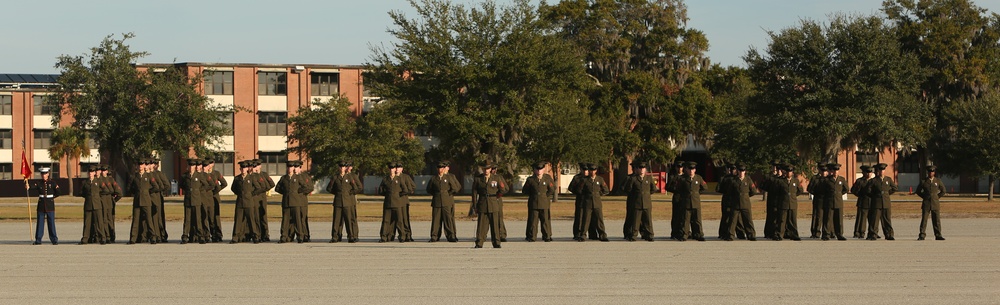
290	163
257	162
539	165
209	160
881	166
390	165
776	163
343	163
639	164
349	163
206	162
193	161
591	166
679	164
490	165
44	170
691	164
241	164
443	164
583	166
741	167
931	168
788	168
821	167
866	169
398	164
92	168
730	166
833	167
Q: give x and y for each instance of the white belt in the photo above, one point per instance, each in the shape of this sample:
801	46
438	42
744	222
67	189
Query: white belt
46	196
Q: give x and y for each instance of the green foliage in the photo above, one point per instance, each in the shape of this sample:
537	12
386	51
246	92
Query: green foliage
69	142
328	132
958	44
971	146
826	87
645	61
474	76
132	113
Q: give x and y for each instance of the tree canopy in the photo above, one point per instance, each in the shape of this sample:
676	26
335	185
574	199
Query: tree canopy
133	113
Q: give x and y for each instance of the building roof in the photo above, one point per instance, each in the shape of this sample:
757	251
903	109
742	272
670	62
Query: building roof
28	81
28	78
261	65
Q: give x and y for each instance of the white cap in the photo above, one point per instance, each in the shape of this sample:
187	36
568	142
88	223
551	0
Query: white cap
44	170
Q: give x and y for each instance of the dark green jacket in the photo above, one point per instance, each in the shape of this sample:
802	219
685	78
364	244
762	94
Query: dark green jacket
639	190
291	189
443	189
688	190
344	189
539	191
394	191
860	190
834	189
91	193
490	193
784	192
931	190
742	190
140	187
880	192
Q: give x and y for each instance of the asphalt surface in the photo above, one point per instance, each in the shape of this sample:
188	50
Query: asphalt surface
965	269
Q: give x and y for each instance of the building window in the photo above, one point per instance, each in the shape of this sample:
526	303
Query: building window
865	158
325	84
92	140
908	164
368	101
54	169
6	139
224	163
273	163
6	171
226	123
272	124
40	107
43	139
271	83
83	173
218	82
5	102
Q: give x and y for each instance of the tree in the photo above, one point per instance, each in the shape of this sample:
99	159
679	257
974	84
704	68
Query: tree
133	113
971	146
69	142
327	132
958	43
643	56
474	77
566	133
826	87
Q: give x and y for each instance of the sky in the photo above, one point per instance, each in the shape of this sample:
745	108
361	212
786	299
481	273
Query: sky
336	32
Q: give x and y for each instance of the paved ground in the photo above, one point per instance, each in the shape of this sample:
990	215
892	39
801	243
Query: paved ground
965	269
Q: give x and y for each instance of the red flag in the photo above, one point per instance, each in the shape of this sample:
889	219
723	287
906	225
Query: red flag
25	168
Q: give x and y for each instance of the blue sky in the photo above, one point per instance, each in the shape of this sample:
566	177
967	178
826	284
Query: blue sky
319	31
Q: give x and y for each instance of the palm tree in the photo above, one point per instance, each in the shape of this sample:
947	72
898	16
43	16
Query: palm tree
69	142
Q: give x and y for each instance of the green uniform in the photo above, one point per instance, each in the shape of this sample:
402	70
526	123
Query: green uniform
784	192
574	188
639	206
490	207
816	183
833	189
741	212
345	213
265	232
245	216
294	190
197	193
143	226
219	183
931	190
161	186
860	190
409	187
879	190
393	190
443	189
110	194
729	201
539	191
94	229
688	190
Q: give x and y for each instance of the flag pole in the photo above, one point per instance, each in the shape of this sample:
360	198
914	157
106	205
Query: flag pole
25	171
